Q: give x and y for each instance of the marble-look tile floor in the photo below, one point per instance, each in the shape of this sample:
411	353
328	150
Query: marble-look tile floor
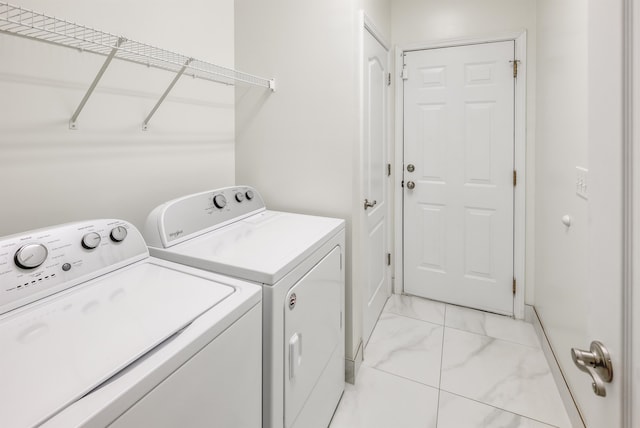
433	365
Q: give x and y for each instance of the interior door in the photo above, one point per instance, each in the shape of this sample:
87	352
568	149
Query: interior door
458	177
603	318
375	181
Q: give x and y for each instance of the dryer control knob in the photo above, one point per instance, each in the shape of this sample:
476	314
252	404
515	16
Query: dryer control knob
219	201
249	194
91	240
239	196
30	256
118	234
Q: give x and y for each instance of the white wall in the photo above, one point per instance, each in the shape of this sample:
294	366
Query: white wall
418	21
298	145
109	167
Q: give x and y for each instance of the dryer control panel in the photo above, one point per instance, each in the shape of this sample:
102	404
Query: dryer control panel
36	264
184	218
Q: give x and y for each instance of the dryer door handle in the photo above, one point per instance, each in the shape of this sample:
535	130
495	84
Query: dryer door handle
295	354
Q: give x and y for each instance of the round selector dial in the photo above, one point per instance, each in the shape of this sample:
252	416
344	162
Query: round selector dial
91	240
239	196
118	234
30	256
249	194
219	201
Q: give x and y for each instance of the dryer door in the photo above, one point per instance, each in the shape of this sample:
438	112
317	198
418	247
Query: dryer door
314	343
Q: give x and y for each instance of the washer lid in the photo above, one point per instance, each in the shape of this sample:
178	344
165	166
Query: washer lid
261	248
56	351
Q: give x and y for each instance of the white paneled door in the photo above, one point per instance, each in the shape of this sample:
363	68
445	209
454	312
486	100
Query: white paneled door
459	175
375	182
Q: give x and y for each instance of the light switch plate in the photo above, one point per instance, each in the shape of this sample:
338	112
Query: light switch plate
582	180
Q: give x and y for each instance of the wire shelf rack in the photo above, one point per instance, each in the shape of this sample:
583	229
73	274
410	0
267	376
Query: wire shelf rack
18	21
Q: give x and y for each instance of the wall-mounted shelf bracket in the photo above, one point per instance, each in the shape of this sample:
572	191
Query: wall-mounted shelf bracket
145	124
17	21
105	65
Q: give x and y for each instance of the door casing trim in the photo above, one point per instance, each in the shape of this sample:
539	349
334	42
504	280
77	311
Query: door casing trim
631	215
520	145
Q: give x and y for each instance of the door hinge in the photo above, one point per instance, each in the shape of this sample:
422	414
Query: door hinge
404	74
402	183
388	170
388	259
515	63
389	79
514	286
515	178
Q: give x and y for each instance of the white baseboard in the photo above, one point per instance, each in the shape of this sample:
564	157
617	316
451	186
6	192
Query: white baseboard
352	367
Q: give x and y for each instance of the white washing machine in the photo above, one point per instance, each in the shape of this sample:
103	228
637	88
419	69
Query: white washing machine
299	261
95	332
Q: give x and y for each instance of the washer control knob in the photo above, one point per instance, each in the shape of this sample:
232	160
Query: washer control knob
118	234
239	196
219	201
249	194
91	240
30	256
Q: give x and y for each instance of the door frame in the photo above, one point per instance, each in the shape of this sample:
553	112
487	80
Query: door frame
357	299
631	214
368	26
520	145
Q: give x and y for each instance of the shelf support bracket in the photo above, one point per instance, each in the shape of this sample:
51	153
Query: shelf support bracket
145	124
74	118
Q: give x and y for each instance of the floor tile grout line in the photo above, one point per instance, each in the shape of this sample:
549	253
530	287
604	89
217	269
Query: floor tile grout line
402	377
442	350
414	318
498	408
444	320
438	408
411	318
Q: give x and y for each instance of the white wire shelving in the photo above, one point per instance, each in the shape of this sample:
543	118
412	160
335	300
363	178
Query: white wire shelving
18	21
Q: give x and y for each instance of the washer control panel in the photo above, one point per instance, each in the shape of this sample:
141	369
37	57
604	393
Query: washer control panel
36	264
180	219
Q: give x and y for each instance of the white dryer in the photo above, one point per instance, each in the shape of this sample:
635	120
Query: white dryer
299	261
95	332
